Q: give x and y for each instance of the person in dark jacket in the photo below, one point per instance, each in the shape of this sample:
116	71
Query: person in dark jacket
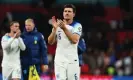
36	49
81	50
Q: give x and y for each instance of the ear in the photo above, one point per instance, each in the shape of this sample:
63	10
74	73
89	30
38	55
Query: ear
33	24
74	14
10	27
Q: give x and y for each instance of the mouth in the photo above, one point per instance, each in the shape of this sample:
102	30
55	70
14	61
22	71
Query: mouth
14	32
28	29
66	16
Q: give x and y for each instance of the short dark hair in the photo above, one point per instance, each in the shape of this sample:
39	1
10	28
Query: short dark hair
70	6
12	22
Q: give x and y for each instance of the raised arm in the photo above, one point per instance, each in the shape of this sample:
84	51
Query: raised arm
52	36
21	44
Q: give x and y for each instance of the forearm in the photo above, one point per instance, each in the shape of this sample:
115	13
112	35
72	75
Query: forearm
70	36
51	38
21	44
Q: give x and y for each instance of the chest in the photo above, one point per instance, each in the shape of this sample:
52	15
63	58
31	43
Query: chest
31	39
61	34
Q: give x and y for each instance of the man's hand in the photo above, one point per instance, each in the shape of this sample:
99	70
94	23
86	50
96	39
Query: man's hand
61	24
44	68
54	23
17	34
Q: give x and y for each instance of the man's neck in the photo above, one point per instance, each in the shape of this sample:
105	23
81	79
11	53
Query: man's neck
11	34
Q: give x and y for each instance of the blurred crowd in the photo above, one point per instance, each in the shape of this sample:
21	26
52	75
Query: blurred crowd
109	53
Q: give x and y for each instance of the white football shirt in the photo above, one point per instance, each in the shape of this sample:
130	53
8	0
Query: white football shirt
11	50
66	51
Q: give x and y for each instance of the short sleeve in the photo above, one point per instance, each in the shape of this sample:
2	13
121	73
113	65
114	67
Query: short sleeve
77	29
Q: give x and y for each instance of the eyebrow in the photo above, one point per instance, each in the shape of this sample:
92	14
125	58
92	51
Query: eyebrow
16	25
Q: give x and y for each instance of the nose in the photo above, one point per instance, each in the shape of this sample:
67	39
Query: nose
67	12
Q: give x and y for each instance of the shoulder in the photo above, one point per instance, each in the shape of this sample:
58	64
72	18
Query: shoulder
76	24
82	39
39	34
5	37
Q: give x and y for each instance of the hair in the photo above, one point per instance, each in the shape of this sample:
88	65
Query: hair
12	22
70	6
29	20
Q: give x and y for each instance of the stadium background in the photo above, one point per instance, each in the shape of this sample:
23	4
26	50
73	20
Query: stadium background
107	30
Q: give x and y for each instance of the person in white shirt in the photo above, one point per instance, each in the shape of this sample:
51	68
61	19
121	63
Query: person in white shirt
11	45
67	33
